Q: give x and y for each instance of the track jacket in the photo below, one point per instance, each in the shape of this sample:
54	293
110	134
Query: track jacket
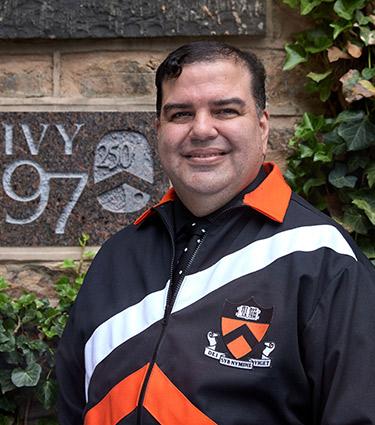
273	323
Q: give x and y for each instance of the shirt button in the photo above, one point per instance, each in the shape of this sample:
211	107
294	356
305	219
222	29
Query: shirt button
198	240
185	249
193	224
180	272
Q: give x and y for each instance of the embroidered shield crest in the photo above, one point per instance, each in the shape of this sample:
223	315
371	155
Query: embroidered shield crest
244	326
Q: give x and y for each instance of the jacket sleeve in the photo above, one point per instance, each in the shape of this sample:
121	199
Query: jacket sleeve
338	347
70	372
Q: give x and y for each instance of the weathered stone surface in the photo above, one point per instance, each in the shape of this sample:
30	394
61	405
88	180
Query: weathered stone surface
35	278
278	142
68	173
25	76
135	18
285	23
108	74
285	90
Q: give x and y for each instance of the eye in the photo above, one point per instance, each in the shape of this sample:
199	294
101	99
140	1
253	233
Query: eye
180	116
227	112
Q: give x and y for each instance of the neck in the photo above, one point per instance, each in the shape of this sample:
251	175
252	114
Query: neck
202	205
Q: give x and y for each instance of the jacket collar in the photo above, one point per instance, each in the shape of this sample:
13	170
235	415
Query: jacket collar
271	198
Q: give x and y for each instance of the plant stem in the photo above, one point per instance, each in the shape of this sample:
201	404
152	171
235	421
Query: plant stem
27	411
369	57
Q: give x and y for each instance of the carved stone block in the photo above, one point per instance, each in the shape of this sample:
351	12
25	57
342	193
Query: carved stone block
133	18
67	173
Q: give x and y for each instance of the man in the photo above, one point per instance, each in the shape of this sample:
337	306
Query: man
232	301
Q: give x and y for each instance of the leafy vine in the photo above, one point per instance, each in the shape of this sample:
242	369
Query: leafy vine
333	155
29	332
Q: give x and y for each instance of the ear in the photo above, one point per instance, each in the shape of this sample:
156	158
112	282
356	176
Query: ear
264	129
157	124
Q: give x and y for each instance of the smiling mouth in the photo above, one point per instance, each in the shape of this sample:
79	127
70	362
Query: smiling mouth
205	155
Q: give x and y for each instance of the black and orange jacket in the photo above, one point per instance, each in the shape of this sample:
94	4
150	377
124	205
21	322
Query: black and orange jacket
273	323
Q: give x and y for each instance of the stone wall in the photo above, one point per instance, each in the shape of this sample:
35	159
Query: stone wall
117	75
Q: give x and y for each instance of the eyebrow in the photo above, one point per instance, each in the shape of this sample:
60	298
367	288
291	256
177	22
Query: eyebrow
221	102
169	106
230	101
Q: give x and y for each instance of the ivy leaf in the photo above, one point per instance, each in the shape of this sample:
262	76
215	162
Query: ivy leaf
361	18
364	88
354	50
370	174
315	40
357	134
346	116
346	8
323	153
368	248
309	126
354	221
366	202
28	377
295	54
367	35
308	5
338	178
313	182
323	87
339	27
47	394
357	161
334	54
68	264
368	73
3	284
305	151
6	383
317	77
349	82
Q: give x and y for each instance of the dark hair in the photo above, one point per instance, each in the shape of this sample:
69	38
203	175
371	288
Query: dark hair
210	51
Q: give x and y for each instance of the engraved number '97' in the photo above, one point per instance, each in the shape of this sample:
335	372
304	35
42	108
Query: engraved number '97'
42	192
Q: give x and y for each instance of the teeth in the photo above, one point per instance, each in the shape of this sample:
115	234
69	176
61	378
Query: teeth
206	155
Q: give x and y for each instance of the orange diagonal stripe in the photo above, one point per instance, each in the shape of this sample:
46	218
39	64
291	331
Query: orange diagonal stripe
258	329
119	402
168	405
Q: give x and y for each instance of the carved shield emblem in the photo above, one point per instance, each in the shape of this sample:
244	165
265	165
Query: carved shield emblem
244	326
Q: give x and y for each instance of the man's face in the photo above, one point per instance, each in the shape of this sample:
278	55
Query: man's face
210	138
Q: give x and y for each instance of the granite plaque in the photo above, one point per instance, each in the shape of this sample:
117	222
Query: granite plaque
22	19
67	173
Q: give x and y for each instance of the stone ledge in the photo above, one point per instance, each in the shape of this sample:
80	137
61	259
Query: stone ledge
48	254
135	104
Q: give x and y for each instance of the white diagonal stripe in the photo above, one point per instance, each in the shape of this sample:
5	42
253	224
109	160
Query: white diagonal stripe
121	327
257	256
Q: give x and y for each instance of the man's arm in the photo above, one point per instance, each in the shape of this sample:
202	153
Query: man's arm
339	347
70	374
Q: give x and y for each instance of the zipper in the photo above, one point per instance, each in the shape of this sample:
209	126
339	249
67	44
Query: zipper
167	312
154	355
171	298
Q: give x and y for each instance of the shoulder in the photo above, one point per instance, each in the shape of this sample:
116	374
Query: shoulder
315	226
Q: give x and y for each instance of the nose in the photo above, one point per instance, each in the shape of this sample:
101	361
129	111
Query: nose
203	127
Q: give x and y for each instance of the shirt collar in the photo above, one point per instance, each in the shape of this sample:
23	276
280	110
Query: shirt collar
268	194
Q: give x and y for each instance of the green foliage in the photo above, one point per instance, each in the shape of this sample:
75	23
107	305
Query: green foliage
333	155
29	332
